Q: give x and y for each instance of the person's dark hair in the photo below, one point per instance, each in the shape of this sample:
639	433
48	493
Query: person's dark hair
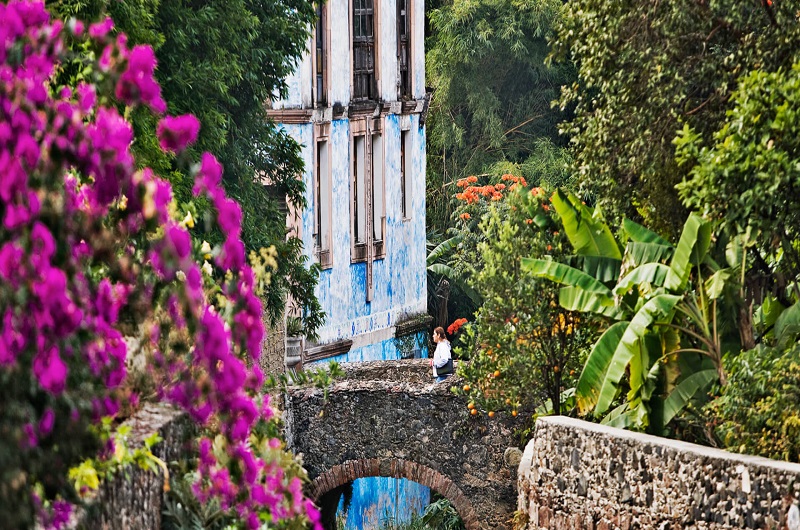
440	331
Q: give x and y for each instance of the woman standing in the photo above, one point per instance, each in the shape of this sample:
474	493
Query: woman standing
442	361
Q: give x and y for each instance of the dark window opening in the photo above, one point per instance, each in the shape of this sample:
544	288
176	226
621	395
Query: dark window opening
403	54
321	59
364	83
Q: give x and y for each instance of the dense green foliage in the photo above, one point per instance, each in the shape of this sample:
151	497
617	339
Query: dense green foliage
492	93
523	349
222	61
748	178
757	411
648	68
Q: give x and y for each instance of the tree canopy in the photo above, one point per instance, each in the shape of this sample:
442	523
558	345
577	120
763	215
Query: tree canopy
222	61
645	70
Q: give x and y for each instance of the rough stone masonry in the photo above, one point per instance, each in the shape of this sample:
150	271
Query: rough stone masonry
580	475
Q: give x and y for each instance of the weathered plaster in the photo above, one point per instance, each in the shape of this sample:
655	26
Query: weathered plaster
400	288
340	71
418	48
388	51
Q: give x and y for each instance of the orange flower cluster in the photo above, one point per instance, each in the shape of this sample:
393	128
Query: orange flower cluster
463	183
464	216
455	326
515	180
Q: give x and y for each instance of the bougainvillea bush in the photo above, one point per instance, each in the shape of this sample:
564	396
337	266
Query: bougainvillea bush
98	264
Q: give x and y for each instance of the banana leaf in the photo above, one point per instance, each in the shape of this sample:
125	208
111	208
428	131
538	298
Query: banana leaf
564	274
685	391
649	273
650	312
637	253
619	418
589	236
445	248
787	326
600	268
587	391
691	250
715	285
640	234
576	299
454	277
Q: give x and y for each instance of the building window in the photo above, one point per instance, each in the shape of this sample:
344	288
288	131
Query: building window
378	205
405	174
321	59
403	46
359	191
322	205
364	85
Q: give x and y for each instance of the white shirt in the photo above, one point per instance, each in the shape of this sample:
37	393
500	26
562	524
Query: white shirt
441	355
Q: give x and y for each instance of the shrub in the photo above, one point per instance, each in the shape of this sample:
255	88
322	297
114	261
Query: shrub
757	412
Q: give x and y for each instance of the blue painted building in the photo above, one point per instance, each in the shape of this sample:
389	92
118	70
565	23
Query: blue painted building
357	104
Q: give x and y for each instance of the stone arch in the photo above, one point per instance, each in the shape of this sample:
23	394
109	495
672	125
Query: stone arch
351	470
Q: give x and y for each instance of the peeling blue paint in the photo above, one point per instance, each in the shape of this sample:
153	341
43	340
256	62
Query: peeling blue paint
382	501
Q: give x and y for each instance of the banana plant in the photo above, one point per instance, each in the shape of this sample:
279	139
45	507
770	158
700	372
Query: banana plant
665	337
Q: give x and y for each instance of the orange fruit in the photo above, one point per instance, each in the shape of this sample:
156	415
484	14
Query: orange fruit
497	373
513	412
473	412
471	406
466	388
491	414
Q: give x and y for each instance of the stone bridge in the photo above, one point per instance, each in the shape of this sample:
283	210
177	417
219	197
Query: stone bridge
390	419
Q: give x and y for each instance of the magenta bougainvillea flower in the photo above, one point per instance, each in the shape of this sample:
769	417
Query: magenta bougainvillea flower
175	133
92	251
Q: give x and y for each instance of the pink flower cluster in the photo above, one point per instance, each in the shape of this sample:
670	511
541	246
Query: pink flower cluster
77	216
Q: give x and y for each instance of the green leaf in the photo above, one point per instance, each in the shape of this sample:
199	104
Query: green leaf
649	313
787	326
619	417
564	274
454	277
715	285
589	236
639	234
691	249
587	391
638	253
576	299
685	391
649	273
445	248
600	268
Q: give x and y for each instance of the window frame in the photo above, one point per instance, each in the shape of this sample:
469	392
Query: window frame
323	220
406	179
404	50
320	53
371	44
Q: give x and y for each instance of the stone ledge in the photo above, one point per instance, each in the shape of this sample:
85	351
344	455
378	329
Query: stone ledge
576	474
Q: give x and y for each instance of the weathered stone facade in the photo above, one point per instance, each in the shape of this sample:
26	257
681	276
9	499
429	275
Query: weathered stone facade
134	499
390	419
579	475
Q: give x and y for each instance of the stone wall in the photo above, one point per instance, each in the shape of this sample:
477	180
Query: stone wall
133	499
577	475
390	419
272	349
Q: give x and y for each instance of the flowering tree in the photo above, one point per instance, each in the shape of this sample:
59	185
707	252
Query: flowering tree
96	265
